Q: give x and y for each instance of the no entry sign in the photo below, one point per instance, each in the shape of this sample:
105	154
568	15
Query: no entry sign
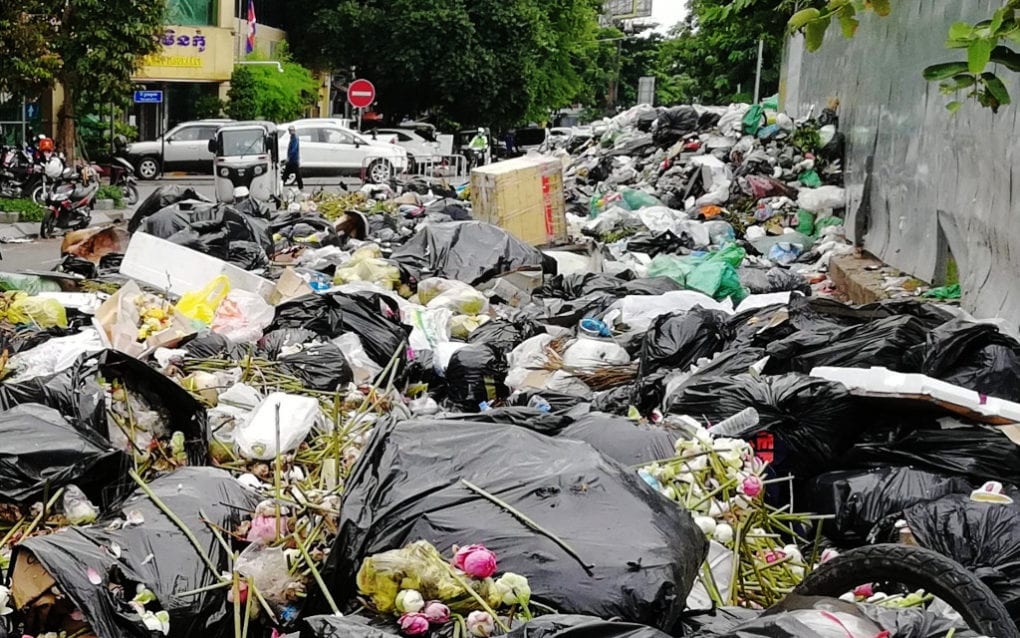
361	94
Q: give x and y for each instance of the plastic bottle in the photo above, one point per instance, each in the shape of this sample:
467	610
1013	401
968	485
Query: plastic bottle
540	404
737	425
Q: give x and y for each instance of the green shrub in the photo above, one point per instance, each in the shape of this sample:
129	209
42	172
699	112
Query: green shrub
111	192
28	211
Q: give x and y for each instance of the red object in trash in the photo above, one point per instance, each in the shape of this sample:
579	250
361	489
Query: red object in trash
764	445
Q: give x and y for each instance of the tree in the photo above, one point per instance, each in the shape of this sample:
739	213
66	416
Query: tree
262	92
91	45
492	62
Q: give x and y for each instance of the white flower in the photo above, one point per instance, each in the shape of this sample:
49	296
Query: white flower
5	596
514	588
158	621
697	463
848	597
723	533
706	523
715	510
703	437
409	601
480	624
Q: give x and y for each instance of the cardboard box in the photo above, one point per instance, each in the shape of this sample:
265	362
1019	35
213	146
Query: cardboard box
117	321
523	196
289	286
177	269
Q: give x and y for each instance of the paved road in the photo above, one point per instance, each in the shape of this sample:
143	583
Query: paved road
44	254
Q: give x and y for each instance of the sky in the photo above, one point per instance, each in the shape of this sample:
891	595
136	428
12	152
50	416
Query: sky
668	12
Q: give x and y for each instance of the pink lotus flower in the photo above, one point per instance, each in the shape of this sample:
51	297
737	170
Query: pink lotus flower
413	624
436	612
864	591
476	561
242	590
263	529
827	555
774	556
751	486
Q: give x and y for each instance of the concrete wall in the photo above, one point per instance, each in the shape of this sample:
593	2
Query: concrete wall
922	183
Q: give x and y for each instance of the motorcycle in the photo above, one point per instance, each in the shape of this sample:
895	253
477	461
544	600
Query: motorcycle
122	175
69	205
475	157
28	173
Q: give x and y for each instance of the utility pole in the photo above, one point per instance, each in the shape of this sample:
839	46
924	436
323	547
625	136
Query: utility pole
757	74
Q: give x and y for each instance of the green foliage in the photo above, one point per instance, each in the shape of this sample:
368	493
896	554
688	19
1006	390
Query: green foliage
492	62
262	92
985	43
712	56
111	192
29	61
28	211
209	106
94	134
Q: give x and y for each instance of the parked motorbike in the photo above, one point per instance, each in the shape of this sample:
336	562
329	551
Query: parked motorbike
69	205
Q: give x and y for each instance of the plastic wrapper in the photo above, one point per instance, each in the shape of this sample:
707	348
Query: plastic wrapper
155	554
984	537
242	316
974	356
865	504
366	264
471	252
407	486
41	452
21	308
814	421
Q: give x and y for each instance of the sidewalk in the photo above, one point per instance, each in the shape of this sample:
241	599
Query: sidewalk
21	231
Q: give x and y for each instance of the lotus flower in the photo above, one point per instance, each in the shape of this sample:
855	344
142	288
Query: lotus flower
409	601
413	624
436	612
751	486
514	589
476	561
480	624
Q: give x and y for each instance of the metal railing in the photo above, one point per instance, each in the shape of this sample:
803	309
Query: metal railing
443	166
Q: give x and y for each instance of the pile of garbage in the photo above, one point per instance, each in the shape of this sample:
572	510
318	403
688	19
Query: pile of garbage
384	413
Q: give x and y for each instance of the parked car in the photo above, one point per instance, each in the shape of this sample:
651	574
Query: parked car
530	138
417	147
185	147
328	149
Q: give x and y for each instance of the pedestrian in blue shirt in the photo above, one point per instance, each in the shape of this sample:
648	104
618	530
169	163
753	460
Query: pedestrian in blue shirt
293	159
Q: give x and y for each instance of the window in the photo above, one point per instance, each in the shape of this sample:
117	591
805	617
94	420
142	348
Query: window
307	134
194	13
187	134
237	143
336	136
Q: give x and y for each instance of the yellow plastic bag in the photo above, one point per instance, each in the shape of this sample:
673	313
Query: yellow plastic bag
20	308
201	305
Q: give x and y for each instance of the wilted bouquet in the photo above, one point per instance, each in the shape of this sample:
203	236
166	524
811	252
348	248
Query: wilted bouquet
425	591
721	483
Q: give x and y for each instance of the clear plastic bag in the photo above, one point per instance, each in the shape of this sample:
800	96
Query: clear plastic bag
242	317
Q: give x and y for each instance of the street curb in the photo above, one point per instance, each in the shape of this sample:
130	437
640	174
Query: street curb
30	230
861	277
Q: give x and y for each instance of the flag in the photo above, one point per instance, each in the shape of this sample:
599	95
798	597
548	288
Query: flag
251	26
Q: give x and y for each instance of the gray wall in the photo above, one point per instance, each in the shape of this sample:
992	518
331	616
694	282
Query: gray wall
919	179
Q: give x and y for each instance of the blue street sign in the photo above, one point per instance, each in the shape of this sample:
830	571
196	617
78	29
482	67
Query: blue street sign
148	97
31	110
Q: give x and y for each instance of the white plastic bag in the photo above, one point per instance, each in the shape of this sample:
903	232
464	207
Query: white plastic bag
53	356
821	199
429	326
256	438
586	352
242	316
363	367
639	311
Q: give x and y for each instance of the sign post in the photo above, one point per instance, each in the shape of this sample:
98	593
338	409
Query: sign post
155	97
360	94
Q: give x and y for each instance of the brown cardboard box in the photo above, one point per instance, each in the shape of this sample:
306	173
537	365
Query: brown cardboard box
523	196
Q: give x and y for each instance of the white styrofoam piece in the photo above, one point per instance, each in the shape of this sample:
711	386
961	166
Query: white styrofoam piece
177	269
884	381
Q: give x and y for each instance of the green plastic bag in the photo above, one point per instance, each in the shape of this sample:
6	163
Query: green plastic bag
714	275
944	292
771	103
805	222
825	222
810	179
636	200
753	119
676	268
732	254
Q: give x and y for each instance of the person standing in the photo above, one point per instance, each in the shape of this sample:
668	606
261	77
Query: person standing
293	159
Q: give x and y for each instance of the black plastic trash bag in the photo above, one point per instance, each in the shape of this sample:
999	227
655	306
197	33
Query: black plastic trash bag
673	124
577	285
974	356
504	335
887	342
759	281
472	252
533	419
352	626
813	420
374	317
272	343
677	340
650	286
865	504
980	453
577	626
41	452
155	554
476	374
621	439
320	366
159	199
984	537
209	345
637	554
210	229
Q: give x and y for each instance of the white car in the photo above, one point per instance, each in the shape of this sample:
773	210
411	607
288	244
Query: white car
329	149
418	148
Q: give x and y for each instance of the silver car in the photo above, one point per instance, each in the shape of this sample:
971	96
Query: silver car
185	147
329	149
